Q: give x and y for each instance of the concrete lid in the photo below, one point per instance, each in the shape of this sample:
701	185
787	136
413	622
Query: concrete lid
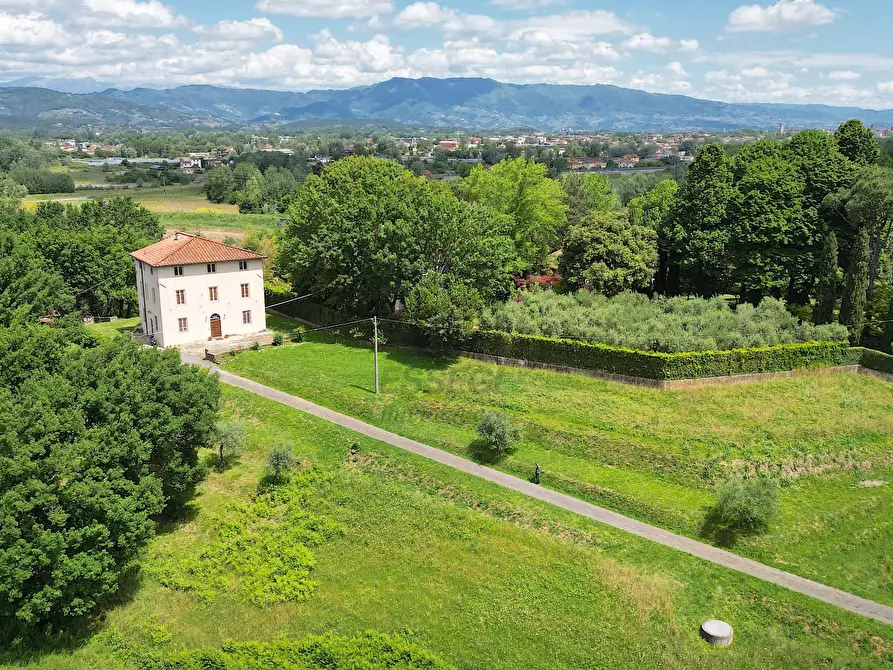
717	628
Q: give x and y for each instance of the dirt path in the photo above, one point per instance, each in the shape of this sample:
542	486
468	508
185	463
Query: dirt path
707	552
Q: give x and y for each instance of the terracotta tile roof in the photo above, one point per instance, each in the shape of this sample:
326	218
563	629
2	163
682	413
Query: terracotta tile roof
185	249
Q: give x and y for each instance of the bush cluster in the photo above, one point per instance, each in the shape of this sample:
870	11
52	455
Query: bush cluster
743	507
367	651
660	324
497	432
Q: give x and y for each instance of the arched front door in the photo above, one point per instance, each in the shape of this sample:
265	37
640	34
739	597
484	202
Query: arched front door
216	327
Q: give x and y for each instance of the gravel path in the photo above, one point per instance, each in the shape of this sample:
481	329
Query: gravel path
828	594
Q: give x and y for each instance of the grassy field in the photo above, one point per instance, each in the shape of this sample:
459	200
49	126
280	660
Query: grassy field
653	455
114	328
479	575
179	207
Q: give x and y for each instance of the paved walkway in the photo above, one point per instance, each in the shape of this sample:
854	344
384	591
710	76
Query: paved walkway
707	552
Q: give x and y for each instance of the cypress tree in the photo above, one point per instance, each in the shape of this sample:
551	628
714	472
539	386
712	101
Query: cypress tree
826	293
852	307
888	329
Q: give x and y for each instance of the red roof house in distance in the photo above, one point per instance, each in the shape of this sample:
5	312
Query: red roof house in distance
192	289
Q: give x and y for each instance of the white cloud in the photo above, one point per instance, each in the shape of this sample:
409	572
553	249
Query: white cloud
30	30
34	5
885	87
844	75
527	5
676	68
784	15
658	82
126	13
235	33
573	26
327	9
648	42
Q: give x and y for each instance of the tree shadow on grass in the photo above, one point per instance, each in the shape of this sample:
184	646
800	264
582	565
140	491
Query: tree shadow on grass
22	645
481	452
721	533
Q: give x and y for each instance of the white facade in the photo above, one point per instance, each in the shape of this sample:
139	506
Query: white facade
181	308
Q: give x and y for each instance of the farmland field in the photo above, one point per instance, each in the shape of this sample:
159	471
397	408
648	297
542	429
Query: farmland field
653	455
179	208
476	574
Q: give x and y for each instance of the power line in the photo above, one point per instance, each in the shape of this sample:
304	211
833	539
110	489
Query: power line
107	279
285	302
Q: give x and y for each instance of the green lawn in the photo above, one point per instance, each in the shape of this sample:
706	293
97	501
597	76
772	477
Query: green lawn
479	575
114	328
653	455
221	223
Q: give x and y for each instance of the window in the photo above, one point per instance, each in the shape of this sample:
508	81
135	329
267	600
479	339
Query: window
212	267
244	290
212	293
178	271
156	322
246	316
151	270
182	325
243	265
153	294
181	297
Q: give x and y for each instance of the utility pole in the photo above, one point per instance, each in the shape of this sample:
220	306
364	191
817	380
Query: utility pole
375	342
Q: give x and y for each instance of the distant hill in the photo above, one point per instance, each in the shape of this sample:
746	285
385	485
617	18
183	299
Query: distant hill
75	85
449	103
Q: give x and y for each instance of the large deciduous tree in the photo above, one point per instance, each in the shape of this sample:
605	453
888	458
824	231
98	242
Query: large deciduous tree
766	226
94	443
700	214
521	189
857	143
655	209
363	232
609	254
587	193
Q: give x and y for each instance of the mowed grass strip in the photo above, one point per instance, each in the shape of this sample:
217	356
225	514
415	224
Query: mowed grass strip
656	456
482	576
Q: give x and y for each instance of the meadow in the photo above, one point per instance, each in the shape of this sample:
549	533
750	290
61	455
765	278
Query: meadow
657	456
178	207
480	576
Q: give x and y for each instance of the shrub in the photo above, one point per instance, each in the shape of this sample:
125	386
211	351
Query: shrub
255	346
230	437
278	339
743	507
660	324
497	432
281	460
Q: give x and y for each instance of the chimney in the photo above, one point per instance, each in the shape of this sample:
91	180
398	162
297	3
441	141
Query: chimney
177	236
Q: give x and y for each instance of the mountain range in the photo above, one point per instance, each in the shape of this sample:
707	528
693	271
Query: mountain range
460	103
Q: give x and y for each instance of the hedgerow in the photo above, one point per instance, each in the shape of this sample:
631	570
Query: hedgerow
367	651
262	548
660	366
659	324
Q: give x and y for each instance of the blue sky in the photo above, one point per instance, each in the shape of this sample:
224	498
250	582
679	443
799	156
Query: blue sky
776	51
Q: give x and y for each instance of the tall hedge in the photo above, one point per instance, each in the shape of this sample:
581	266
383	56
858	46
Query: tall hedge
659	366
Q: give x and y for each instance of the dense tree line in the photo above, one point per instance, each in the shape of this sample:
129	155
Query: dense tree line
60	258
97	440
778	219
